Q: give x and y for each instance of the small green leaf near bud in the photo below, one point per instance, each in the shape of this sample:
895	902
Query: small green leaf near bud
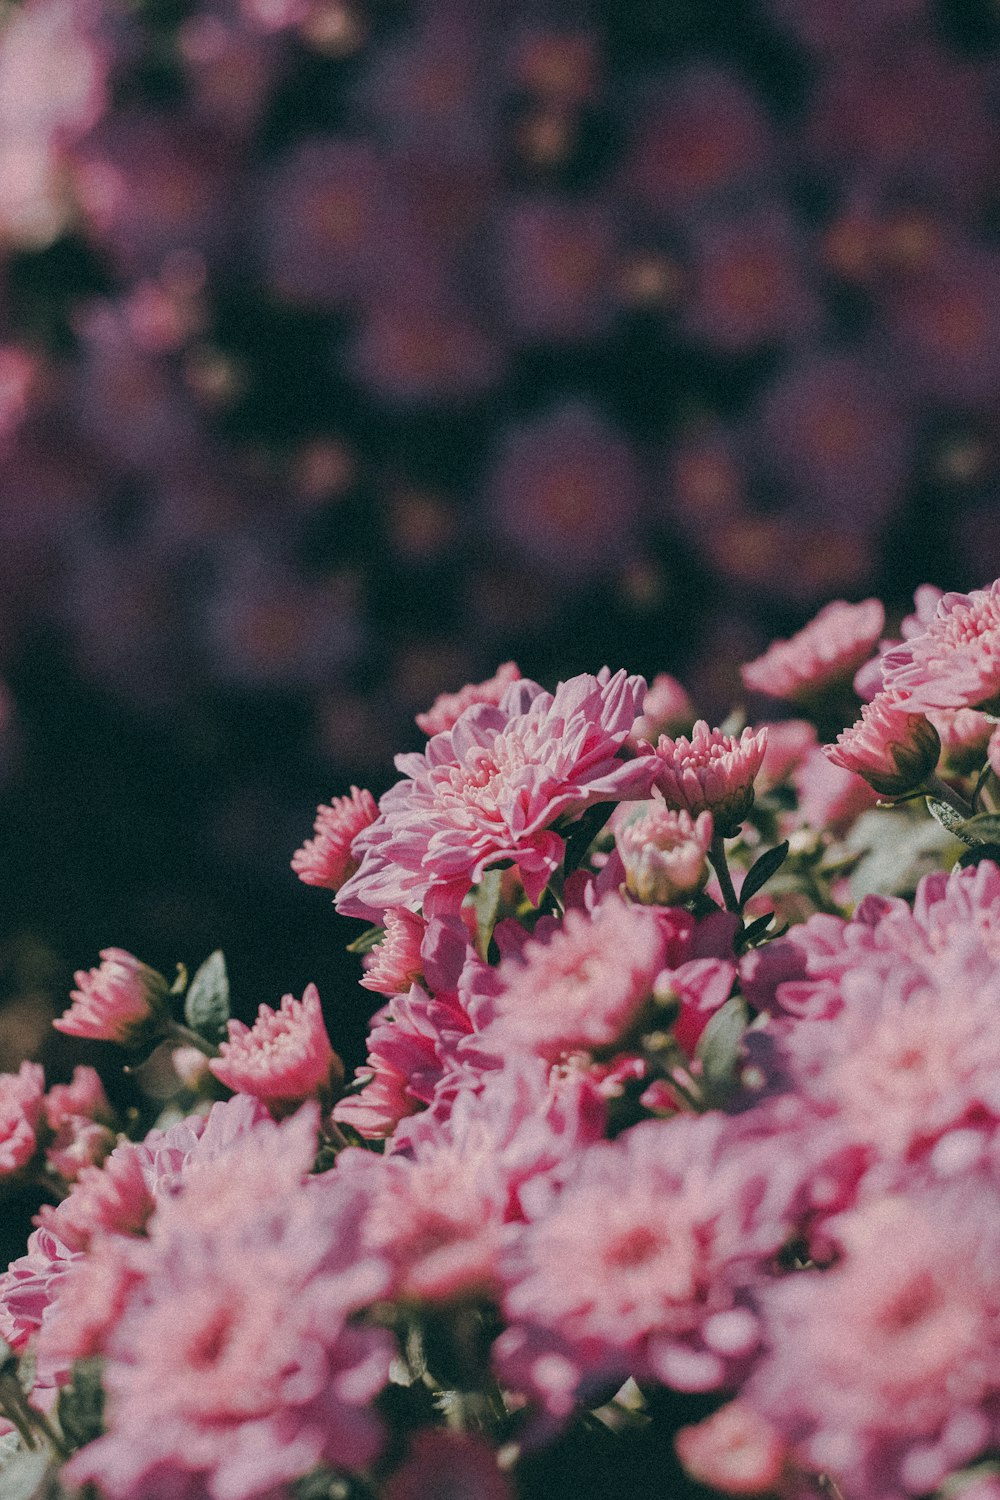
206	1008
368	940
761	871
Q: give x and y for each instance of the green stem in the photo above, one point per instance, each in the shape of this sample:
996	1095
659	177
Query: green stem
174	1031
717	859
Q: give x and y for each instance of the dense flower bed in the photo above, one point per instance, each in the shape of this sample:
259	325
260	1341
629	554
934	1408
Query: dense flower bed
679	1122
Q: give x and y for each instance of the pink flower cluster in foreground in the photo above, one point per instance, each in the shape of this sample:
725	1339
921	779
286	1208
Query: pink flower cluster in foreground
617	1132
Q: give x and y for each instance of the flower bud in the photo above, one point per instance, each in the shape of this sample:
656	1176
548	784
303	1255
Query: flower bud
113	1002
711	772
664	853
893	749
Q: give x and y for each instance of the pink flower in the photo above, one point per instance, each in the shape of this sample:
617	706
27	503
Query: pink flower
250	1391
448	1466
448	708
788	743
964	736
326	860
955	663
77	1144
113	1002
894	750
83	1096
882	1369
284	1057
993	752
396	962
825	653
711	772
637	1266
491	788
735	1450
829	797
664	853
580	986
22	1103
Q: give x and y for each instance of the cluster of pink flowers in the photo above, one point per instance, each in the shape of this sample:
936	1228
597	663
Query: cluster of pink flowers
630	1144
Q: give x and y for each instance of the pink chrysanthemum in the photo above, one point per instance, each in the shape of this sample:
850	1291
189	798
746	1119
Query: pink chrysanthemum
396	962
83	1096
883	1369
249	1392
448	708
21	1107
663	852
490	789
284	1057
824	654
637	1266
893	749
326	860
955	662
711	772
111	1003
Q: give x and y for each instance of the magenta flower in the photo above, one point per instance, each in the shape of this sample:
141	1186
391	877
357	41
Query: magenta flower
113	1002
448	708
326	860
711	772
825	653
664	853
490	789
284	1057
955	663
22	1103
894	750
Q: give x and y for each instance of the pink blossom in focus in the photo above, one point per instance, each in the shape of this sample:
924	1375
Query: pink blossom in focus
580	986
21	1113
396	961
448	1466
955	662
113	1002
447	708
824	654
894	750
882	1370
711	772
326	860
490	790
284	1057
664	853
734	1450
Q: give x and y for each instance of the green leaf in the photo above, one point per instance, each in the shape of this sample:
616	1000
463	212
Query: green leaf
487	906
984	828
367	941
719	1046
206	1008
952	820
81	1404
978	853
761	871
755	930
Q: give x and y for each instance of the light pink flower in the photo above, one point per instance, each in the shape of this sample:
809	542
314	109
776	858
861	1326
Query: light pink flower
955	663
111	1003
666	709
78	1143
788	743
824	654
964	736
448	708
250	1391
829	797
711	772
22	1104
490	790
893	749
580	986
448	1466
83	1096
637	1266
664	852
735	1450
326	860
284	1057
396	962
883	1369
